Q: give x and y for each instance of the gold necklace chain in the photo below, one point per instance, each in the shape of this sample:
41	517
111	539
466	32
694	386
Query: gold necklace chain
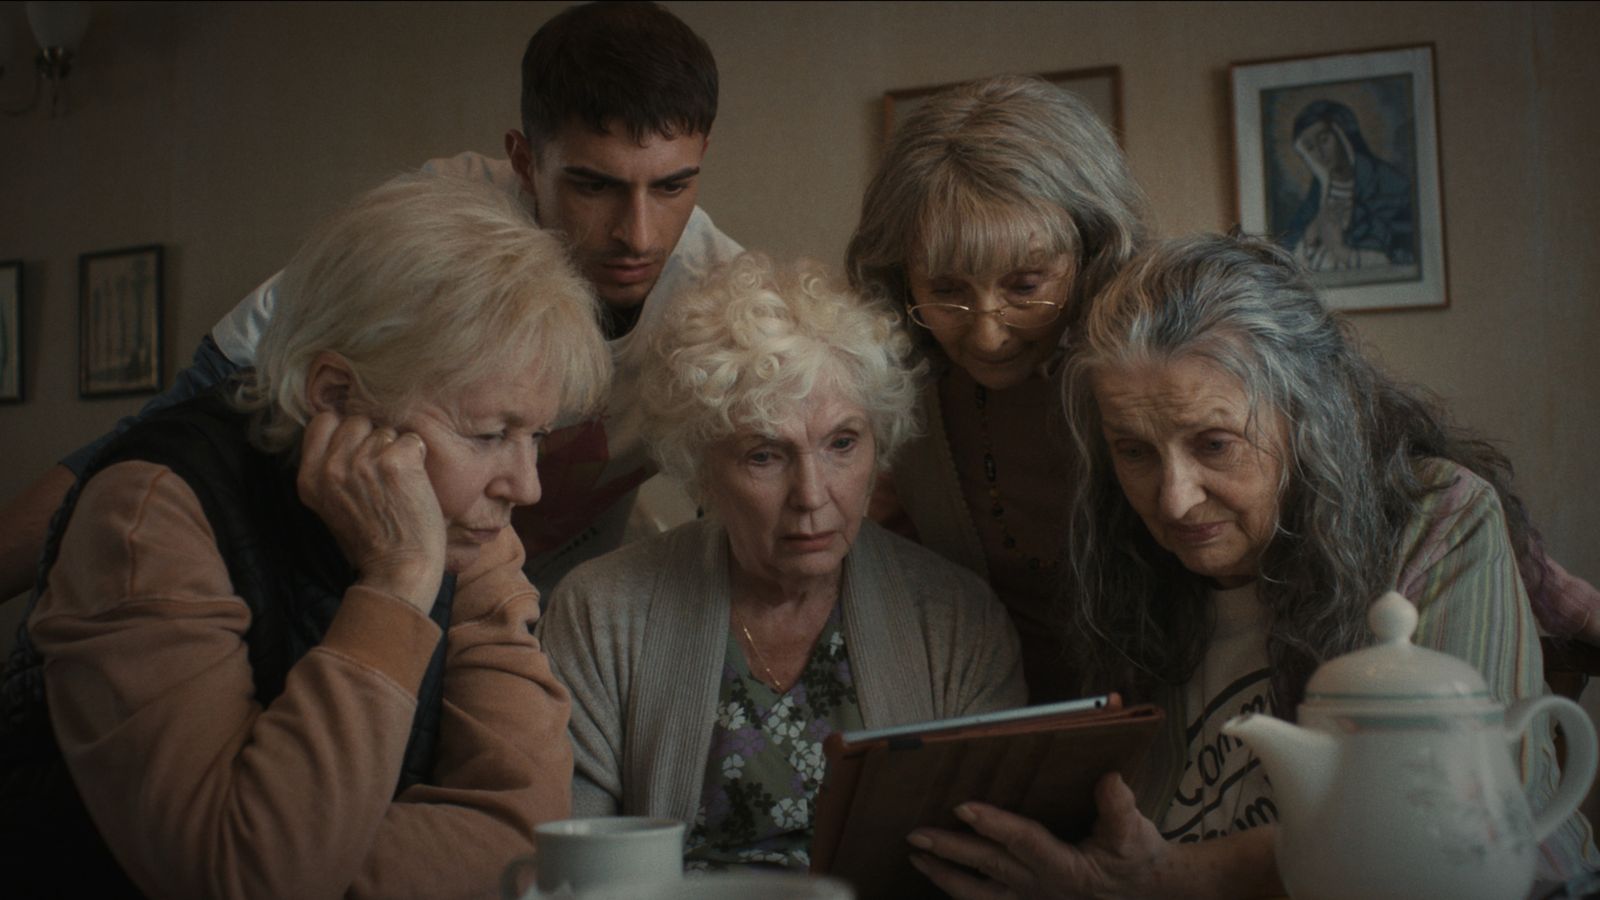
772	680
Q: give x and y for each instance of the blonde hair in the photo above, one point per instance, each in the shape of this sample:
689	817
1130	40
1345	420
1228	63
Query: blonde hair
751	345
990	176
426	284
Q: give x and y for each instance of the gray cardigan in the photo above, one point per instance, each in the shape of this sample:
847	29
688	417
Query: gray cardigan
927	639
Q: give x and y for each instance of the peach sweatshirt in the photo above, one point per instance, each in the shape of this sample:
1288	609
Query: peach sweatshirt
200	792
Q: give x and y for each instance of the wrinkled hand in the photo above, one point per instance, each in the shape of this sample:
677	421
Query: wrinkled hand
1017	857
368	485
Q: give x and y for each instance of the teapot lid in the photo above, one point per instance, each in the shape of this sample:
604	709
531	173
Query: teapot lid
1394	669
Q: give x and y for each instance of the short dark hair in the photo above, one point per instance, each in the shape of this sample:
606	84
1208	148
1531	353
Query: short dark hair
634	63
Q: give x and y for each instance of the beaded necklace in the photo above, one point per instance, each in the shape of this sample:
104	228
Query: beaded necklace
991	474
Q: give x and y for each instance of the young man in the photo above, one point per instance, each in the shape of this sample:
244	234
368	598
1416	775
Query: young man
618	100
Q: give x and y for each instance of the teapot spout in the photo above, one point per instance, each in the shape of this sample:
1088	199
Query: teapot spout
1299	762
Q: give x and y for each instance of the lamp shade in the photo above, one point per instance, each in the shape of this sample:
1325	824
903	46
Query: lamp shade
58	24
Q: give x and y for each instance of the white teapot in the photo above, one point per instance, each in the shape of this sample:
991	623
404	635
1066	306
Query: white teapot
1399	783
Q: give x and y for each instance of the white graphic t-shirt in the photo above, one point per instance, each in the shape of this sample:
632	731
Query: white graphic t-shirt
1224	789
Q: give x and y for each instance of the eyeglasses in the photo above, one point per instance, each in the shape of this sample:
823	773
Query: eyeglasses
1023	314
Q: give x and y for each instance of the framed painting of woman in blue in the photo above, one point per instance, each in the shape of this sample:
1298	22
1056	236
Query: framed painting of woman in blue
1337	159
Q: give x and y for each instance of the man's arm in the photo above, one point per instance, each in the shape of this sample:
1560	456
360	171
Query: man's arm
25	521
209	368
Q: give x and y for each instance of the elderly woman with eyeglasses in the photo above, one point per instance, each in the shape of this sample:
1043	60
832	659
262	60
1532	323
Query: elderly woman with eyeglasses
998	211
708	664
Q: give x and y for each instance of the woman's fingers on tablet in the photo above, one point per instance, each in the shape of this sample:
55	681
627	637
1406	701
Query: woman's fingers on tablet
1007	855
984	869
1023	837
957	882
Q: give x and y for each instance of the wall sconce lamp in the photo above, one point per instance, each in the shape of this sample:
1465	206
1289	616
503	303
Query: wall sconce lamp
58	29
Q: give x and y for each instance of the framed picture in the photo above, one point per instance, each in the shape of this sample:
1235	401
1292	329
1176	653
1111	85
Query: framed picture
1100	87
11	331
119	322
1337	159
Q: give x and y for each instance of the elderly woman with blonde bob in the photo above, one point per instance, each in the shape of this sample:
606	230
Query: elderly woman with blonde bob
286	640
1251	483
707	664
998	211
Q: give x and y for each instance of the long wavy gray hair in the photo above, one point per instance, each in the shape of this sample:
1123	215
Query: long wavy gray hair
1137	618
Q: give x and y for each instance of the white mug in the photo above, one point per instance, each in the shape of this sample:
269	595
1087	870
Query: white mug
576	856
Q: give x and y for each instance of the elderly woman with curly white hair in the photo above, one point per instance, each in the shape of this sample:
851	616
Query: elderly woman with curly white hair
707	664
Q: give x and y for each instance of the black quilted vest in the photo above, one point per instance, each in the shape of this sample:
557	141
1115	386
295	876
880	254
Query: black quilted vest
285	565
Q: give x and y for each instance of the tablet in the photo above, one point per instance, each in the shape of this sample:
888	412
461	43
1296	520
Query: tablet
1021	713
1042	762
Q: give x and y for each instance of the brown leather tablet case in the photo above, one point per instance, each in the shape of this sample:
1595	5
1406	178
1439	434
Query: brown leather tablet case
876	792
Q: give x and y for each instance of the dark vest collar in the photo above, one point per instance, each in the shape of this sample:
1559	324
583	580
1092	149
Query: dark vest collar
284	565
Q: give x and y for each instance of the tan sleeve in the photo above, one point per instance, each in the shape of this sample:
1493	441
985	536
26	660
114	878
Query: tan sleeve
504	763
198	790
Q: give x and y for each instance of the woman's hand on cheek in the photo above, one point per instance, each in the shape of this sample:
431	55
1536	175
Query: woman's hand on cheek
369	486
1011	856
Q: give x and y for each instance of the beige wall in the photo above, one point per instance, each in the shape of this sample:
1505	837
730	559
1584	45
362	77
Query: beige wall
224	130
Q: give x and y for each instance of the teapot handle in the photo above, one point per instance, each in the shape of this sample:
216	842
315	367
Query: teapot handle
1579	770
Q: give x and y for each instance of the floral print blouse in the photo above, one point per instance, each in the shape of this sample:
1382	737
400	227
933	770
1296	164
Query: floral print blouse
766	760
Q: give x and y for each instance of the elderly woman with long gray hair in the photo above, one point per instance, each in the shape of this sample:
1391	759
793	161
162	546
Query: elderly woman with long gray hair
999	209
1250	483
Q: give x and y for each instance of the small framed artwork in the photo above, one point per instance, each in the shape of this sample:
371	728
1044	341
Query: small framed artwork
1099	87
1337	159
11	331
119	322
